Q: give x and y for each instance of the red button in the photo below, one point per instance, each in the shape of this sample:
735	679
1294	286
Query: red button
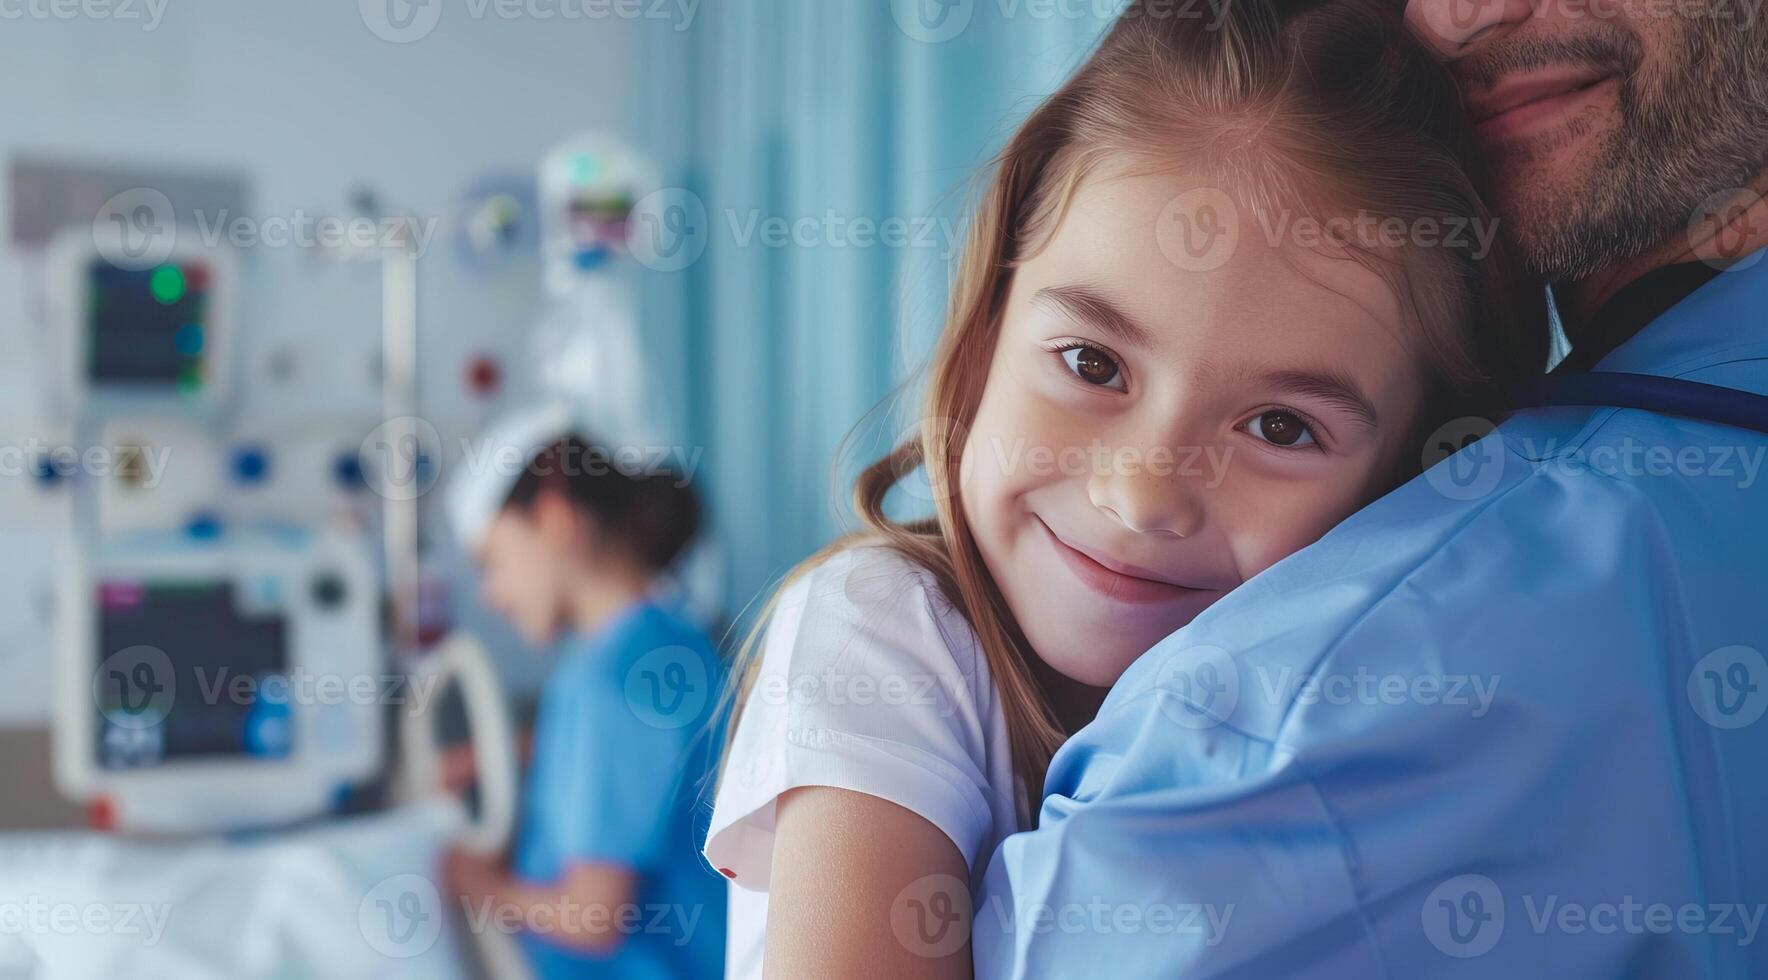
484	376
728	873
102	814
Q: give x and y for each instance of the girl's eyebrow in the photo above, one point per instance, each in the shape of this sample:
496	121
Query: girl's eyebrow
1333	387
1088	305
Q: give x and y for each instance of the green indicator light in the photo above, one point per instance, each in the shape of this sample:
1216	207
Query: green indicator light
167	284
190	381
585	168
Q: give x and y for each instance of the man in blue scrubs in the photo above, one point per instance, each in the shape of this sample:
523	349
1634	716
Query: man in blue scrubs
1508	721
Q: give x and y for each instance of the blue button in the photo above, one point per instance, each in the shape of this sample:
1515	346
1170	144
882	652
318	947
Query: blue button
347	471
251	464
204	527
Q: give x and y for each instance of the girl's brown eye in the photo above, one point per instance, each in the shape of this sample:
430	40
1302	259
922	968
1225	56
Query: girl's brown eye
1280	428
1093	366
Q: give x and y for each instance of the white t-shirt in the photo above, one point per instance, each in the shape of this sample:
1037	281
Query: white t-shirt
870	680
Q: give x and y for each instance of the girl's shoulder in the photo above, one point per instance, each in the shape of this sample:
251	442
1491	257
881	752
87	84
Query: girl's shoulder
873	597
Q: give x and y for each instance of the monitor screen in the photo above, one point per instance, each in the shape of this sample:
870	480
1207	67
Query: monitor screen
186	673
146	328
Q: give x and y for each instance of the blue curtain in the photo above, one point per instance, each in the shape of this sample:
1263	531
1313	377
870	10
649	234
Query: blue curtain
799	125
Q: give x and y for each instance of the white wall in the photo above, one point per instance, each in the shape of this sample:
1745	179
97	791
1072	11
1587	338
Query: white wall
304	100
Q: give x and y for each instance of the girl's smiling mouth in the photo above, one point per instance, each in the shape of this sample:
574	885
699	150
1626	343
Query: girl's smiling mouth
1117	581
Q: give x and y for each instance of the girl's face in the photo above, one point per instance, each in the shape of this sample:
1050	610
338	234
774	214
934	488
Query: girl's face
1153	434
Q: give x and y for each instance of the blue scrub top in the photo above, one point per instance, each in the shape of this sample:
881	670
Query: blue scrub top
619	753
1505	722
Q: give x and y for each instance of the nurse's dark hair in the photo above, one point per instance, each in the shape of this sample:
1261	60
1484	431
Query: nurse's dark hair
1316	108
651	513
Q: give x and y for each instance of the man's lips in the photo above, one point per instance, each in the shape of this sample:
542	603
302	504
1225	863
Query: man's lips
1115	579
1519	101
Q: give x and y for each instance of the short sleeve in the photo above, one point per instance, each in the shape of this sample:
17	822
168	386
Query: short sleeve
613	767
869	681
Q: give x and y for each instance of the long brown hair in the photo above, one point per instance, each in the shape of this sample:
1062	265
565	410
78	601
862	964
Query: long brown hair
1325	105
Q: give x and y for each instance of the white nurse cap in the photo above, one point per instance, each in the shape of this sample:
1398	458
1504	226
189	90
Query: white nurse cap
489	472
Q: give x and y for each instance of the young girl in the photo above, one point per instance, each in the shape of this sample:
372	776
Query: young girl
599	880
1222	285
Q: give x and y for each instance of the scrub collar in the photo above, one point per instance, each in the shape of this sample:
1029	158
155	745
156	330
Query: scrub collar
1628	311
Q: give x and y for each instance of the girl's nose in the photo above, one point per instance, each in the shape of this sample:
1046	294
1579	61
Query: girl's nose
1148	503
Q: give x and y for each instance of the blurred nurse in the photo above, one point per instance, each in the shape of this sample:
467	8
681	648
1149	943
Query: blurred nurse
605	877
